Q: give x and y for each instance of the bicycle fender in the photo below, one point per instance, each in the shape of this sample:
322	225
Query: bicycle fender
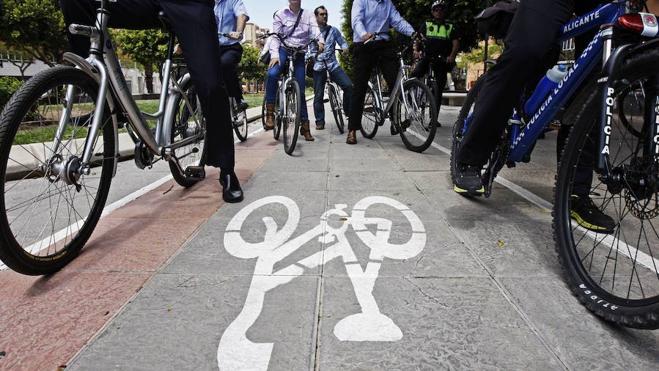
86	67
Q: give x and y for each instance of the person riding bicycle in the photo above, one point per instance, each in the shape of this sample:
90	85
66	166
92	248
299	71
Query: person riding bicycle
298	27
442	39
194	24
371	20
231	16
326	61
533	34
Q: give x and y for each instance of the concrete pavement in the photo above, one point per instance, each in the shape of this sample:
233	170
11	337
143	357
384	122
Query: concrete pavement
371	262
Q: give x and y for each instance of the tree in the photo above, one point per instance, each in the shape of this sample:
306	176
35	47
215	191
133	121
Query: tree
146	47
34	28
249	68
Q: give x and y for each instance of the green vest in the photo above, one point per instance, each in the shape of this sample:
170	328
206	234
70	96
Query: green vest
435	31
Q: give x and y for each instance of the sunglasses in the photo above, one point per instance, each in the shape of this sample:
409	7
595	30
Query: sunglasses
322	14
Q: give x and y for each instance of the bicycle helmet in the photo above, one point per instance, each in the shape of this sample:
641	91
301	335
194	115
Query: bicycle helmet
440	3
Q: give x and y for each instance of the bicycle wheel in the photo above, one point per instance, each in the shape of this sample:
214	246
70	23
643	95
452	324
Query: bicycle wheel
189	122
48	206
239	122
613	272
291	119
416	119
336	108
263	112
277	130
459	127
372	116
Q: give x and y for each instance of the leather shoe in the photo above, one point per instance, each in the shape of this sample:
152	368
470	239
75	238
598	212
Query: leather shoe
351	137
393	129
231	191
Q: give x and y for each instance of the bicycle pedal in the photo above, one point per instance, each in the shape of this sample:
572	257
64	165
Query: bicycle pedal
195	172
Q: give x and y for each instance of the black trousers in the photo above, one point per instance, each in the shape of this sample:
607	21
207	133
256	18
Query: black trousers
366	57
230	56
193	22
440	68
533	33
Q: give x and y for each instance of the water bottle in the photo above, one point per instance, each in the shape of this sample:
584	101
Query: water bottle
545	86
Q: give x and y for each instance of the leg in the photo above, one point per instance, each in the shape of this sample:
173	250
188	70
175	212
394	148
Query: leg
229	58
421	67
440	69
364	63
341	78
533	32
300	77
194	25
131	14
272	78
319	79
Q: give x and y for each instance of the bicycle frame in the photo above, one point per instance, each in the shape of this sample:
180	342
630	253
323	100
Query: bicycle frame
103	65
522	140
398	86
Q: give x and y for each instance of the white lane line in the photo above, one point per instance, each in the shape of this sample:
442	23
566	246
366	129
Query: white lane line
546	206
59	235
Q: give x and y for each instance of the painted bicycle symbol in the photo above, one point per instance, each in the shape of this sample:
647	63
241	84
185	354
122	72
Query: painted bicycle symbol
235	351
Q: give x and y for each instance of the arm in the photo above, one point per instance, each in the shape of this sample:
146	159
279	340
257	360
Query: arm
340	40
454	51
399	23
277	25
357	21
242	17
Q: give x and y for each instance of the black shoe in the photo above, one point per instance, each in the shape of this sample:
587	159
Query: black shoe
231	191
393	129
320	125
242	105
589	216
438	124
468	180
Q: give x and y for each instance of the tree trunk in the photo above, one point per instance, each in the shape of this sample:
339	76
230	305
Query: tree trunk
148	77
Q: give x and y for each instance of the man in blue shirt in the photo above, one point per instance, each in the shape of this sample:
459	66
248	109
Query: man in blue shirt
326	61
371	21
231	17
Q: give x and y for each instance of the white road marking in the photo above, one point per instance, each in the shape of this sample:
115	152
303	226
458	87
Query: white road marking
73	228
235	351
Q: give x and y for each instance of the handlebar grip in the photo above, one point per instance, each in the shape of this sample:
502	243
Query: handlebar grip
79	29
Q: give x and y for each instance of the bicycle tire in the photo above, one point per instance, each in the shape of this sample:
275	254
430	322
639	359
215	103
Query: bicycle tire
180	128
336	109
41	87
596	296
276	131
372	115
291	119
419	107
240	125
456	134
263	112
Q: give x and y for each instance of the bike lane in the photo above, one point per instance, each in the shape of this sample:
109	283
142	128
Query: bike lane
347	291
45	321
483	290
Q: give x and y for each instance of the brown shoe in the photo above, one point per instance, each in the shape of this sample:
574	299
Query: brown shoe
306	132
352	137
269	117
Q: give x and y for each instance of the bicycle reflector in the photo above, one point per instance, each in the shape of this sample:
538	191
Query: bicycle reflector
641	23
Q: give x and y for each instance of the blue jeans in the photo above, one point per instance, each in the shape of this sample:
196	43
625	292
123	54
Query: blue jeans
319	79
272	80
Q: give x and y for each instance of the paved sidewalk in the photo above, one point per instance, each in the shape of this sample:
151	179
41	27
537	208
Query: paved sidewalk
403	275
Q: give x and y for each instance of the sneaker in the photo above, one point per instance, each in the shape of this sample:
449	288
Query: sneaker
468	180
243	105
589	216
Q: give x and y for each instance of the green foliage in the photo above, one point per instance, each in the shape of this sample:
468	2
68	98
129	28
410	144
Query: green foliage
146	47
249	68
35	28
346	30
8	85
476	54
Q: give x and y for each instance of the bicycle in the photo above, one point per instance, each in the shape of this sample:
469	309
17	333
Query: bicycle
410	106
623	153
335	98
54	190
288	104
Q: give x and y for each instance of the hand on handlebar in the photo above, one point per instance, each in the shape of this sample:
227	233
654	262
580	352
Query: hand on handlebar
235	35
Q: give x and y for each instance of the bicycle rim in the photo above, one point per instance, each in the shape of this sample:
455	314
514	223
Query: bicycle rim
291	120
415	116
372	115
48	210
189	122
